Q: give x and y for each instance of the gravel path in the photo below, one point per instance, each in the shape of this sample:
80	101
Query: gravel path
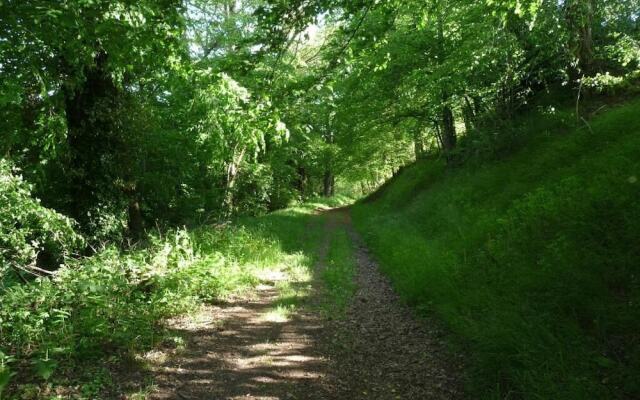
378	351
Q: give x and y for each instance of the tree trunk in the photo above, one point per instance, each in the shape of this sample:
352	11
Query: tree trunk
448	133
136	226
477	106
418	144
228	190
328	183
448	127
93	138
301	182
329	178
468	115
232	175
580	19
436	127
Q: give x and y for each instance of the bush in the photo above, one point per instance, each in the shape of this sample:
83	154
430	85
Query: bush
113	302
89	306
30	234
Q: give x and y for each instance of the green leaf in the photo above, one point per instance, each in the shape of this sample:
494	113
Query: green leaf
5	378
45	367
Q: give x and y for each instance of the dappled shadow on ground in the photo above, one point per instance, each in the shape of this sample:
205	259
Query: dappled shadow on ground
249	346
252	347
243	350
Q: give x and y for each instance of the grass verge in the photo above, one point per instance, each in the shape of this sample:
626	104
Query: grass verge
338	274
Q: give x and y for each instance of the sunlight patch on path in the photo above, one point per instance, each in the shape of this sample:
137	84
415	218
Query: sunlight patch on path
258	347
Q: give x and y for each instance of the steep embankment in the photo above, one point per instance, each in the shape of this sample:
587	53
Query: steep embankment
531	259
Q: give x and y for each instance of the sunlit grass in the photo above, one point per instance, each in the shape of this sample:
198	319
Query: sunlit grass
279	314
116	300
338	274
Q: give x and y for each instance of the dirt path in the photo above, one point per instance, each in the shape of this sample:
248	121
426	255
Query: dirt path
379	351
384	351
235	351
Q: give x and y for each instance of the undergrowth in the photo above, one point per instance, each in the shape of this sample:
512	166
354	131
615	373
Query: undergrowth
113	303
99	311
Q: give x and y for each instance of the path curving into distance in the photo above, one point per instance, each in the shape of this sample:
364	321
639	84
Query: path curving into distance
378	350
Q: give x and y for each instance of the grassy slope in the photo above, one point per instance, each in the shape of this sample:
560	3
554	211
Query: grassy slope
532	260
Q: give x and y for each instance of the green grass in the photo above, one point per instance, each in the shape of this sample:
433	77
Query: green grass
338	274
531	259
301	233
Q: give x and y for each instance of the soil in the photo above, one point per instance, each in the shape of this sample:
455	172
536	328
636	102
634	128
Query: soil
378	350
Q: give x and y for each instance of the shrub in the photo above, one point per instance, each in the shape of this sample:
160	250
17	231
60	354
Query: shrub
113	302
30	234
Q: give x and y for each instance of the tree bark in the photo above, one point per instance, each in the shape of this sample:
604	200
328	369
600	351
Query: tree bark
301	182
468	115
448	133
136	225
418	144
477	106
329	178
580	19
92	137
232	175
436	127
328	183
448	127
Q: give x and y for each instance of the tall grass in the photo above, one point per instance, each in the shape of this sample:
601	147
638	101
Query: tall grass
531	259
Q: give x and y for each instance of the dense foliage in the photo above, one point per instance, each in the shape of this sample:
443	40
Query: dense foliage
120	118
123	115
29	232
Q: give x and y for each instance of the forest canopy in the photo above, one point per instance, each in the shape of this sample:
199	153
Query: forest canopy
126	114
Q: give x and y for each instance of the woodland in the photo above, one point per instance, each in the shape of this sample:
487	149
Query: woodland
158	156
